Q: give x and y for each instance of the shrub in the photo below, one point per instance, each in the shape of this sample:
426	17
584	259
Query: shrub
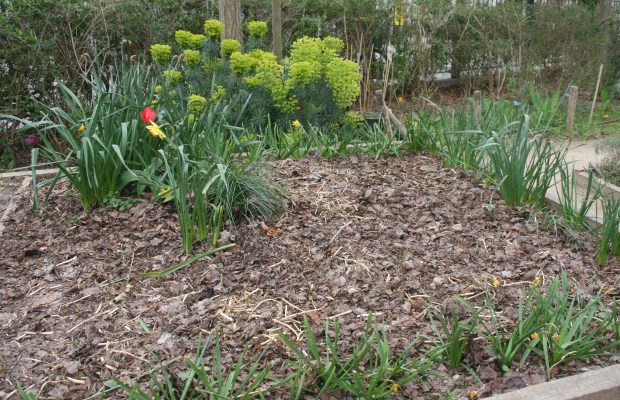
173	77
161	53
196	104
218	93
304	72
188	40
192	58
343	77
317	86
230	46
214	29
242	64
353	119
257	29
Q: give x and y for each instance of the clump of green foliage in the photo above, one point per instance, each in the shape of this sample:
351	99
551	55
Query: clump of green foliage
557	324
315	85
180	149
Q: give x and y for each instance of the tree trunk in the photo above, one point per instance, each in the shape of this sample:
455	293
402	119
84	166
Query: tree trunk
276	27
605	13
230	16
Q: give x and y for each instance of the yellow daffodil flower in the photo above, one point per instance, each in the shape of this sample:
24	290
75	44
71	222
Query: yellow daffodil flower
155	131
82	128
536	281
166	193
297	124
472	395
496	282
534	336
395	388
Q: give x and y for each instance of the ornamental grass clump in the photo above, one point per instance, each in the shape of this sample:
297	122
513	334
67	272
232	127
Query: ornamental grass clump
203	380
453	336
574	329
207	172
506	345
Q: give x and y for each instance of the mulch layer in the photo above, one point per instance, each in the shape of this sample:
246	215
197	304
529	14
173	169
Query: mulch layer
389	237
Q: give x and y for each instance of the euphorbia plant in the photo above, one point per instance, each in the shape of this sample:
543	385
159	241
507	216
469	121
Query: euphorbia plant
316	86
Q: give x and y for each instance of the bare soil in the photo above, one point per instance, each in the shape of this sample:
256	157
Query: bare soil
391	237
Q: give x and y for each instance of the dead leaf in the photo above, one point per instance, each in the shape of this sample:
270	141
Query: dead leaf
270	231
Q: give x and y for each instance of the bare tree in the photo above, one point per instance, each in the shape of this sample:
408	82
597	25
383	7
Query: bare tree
276	27
230	16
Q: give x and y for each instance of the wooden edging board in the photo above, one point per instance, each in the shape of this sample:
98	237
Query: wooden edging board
26	173
593	219
605	187
600	384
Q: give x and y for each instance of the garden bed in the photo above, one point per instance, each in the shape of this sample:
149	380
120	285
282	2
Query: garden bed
389	237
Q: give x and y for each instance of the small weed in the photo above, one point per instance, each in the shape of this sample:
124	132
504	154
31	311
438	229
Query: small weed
120	203
450	396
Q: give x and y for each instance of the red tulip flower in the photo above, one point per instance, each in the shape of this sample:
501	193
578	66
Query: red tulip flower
32	140
148	115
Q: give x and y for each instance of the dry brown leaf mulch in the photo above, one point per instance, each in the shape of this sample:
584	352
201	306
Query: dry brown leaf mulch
388	237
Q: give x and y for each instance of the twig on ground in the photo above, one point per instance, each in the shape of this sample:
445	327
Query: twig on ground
340	230
340	315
